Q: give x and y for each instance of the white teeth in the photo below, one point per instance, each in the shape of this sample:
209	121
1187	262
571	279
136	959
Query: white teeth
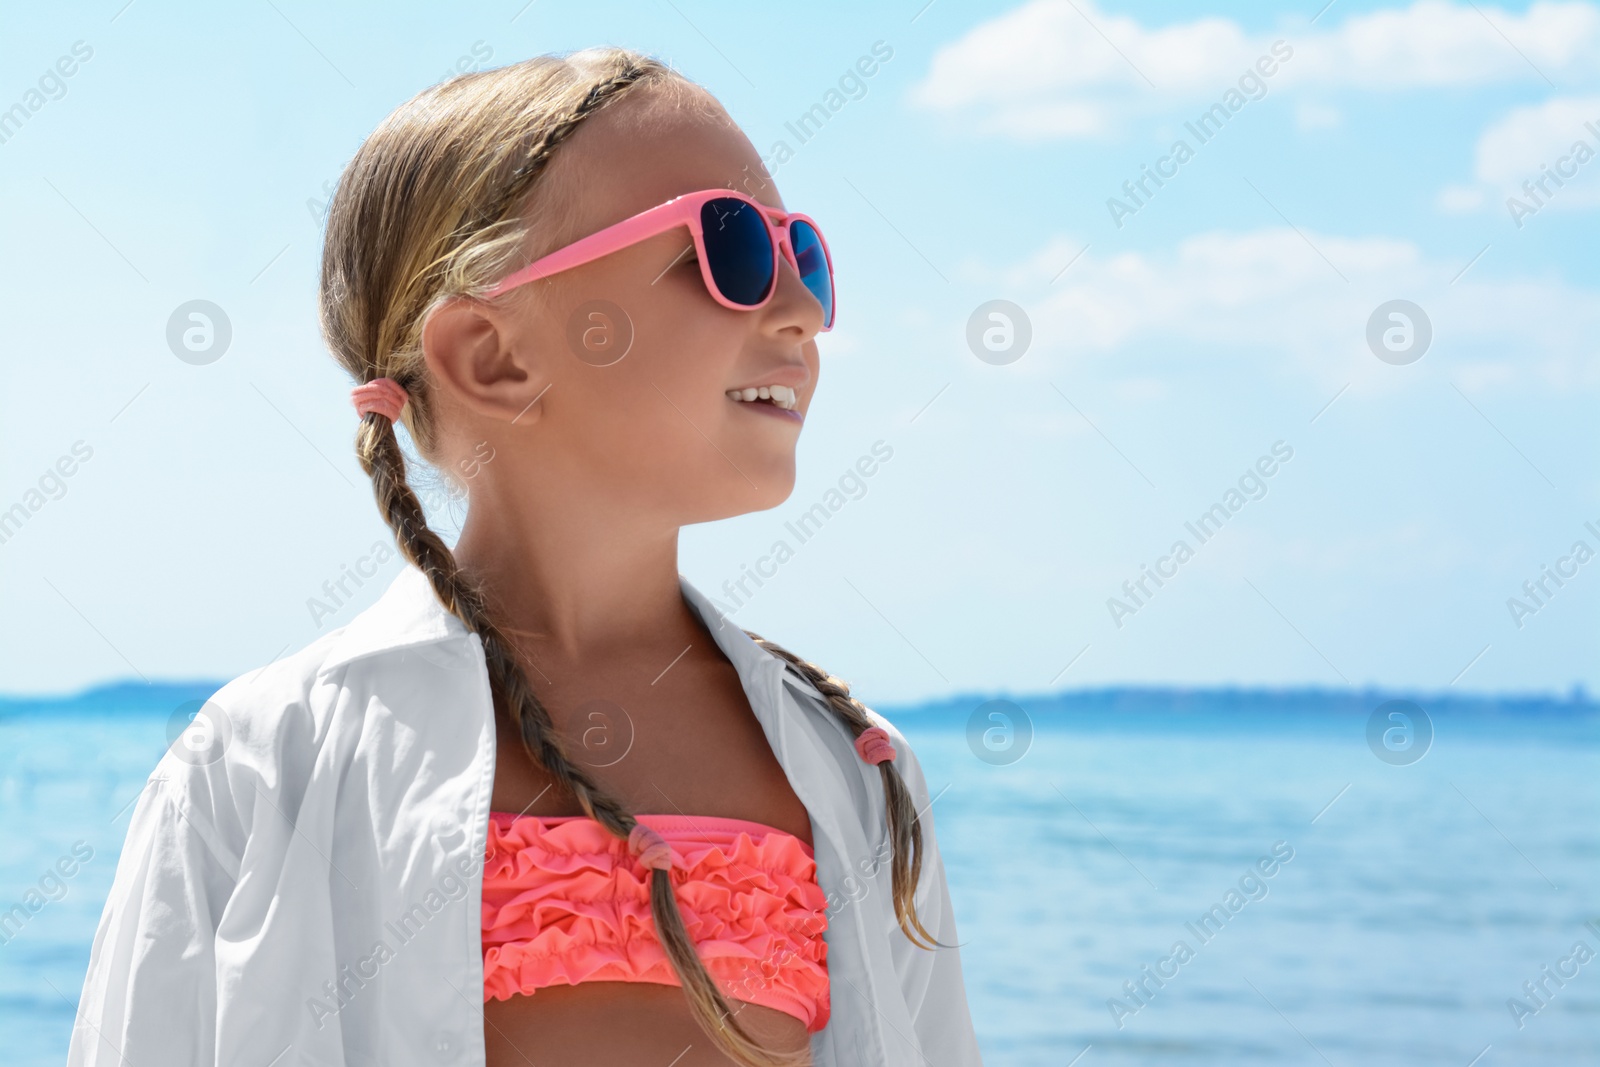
781	395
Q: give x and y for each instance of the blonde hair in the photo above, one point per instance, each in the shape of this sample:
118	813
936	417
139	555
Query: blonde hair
436	205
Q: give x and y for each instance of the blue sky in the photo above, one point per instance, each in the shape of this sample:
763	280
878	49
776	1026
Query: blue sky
1175	340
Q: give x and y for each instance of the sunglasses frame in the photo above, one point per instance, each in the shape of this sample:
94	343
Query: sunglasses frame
680	211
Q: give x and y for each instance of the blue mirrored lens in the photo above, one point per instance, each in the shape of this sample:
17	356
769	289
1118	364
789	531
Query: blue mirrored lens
813	261
738	249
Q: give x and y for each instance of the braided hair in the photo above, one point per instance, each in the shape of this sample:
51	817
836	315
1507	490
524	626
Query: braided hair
436	204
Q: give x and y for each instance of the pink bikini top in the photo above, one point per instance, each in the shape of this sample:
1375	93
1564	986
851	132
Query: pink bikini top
566	901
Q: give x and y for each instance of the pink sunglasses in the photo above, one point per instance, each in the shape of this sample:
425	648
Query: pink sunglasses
738	241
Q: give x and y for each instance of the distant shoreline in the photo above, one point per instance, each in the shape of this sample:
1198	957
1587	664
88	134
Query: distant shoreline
1103	707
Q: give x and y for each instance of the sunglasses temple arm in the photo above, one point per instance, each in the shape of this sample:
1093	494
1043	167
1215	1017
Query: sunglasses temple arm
613	238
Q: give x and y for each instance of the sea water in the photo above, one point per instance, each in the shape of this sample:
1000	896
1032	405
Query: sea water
1406	906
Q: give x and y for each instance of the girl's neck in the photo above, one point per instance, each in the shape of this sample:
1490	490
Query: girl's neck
572	592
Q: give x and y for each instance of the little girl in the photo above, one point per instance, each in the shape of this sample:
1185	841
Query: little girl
543	803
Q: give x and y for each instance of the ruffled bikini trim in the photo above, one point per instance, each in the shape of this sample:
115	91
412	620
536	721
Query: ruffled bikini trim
564	902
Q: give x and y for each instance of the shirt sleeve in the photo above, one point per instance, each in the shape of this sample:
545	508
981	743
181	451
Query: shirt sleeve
150	995
935	991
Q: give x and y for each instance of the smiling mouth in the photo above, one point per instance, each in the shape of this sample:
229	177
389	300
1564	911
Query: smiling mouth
778	396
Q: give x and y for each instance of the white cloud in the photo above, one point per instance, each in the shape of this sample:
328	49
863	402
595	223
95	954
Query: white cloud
1063	68
1268	298
1544	155
1513	149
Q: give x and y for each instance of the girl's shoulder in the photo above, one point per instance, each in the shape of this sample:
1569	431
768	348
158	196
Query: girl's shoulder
264	727
253	737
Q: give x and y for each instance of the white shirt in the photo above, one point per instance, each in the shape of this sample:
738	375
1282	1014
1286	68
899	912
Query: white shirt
304	886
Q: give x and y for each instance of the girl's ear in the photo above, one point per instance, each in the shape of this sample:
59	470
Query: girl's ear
471	356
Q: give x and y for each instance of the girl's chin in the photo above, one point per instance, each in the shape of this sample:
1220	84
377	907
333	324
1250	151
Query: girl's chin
773	482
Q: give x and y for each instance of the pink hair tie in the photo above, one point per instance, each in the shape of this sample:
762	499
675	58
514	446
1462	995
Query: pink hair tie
383	395
651	848
874	746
